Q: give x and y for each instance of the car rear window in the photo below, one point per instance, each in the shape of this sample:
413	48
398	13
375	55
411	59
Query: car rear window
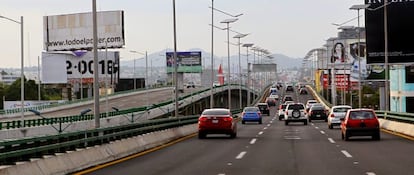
340	109
317	108
361	115
216	112
295	107
251	109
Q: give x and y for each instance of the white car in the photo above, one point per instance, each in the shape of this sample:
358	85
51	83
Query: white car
295	112
336	113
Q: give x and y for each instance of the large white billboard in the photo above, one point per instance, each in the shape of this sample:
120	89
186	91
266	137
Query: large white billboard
75	31
74	67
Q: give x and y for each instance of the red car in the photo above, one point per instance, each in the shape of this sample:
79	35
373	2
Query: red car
217	121
360	122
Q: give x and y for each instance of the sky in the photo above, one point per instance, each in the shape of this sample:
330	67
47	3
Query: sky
289	27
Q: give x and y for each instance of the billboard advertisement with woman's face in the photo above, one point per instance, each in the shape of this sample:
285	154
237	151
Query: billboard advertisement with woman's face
358	58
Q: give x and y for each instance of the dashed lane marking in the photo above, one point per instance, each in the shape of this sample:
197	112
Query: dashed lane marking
261	132
322	132
241	155
346	154
253	141
370	173
331	140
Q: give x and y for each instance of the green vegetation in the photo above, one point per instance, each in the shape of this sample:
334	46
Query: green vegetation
12	92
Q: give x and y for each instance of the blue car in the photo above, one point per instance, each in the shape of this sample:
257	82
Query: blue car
251	114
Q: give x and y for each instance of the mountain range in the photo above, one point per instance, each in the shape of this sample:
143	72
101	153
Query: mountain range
158	59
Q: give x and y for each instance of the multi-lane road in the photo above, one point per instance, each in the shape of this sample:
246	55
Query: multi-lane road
273	148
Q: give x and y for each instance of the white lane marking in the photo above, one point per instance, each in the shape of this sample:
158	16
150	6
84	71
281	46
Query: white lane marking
221	174
316	127
261	132
331	140
271	121
240	156
346	154
268	125
292	137
322	132
264	128
370	173
253	141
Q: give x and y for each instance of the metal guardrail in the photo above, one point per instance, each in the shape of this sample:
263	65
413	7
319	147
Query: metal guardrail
76	118
42	107
388	115
12	151
24	149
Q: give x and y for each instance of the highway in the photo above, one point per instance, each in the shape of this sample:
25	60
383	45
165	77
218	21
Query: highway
273	148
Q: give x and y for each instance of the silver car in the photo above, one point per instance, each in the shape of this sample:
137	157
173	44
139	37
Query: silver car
335	115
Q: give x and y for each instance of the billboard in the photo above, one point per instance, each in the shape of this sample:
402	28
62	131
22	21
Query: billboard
188	62
74	67
399	30
263	67
75	31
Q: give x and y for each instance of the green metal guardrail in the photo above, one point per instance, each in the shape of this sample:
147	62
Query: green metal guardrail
388	115
24	149
12	151
76	118
42	107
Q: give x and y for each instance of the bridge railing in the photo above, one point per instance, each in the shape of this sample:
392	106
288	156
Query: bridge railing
77	118
388	115
12	151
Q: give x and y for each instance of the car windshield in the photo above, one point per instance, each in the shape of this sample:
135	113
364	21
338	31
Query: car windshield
340	109
295	107
216	112
361	115
251	109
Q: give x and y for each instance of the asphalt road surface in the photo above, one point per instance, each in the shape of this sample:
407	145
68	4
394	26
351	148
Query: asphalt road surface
273	148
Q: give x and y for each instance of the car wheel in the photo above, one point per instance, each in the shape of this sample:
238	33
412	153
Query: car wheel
310	120
305	122
280	118
376	136
330	126
233	135
286	122
346	136
295	113
243	122
260	122
201	135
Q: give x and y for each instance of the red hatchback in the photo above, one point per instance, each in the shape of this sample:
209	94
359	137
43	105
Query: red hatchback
217	121
360	122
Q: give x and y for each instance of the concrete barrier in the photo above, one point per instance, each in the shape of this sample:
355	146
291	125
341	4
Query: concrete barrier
398	127
73	161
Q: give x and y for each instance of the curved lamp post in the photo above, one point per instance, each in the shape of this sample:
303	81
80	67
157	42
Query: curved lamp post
21	67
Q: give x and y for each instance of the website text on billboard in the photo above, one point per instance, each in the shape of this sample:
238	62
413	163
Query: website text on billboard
85	41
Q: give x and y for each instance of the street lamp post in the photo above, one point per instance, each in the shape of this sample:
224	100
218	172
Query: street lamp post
227	22
238	36
21	66
212	55
359	7
175	60
247	45
146	74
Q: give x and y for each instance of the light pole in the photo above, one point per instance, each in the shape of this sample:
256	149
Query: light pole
146	73
247	45
212	55
212	47
21	66
227	22
238	36
359	7
175	61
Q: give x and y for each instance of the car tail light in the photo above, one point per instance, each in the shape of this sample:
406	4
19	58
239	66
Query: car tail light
202	119
332	115
227	119
280	106
243	113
